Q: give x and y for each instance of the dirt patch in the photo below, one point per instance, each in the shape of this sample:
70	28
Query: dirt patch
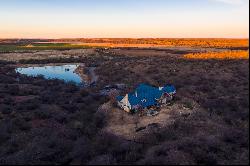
20	99
133	127
45	55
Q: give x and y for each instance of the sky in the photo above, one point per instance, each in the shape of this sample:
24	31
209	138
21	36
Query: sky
124	18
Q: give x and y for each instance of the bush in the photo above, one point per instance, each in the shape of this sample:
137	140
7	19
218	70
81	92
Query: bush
5	109
22	124
84	93
13	89
100	119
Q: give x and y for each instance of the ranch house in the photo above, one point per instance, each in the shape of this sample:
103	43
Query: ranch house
146	96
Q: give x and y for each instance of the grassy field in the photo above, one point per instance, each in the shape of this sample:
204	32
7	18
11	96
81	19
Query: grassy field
219	55
164	42
62	44
5	48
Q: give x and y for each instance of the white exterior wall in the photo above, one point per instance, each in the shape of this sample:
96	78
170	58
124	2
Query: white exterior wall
124	104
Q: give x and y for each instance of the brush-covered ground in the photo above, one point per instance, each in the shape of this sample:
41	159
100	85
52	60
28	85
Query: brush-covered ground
50	122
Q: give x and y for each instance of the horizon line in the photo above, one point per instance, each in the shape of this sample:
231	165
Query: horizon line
128	38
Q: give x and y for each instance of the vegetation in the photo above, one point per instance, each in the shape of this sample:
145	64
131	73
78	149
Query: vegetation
122	42
5	48
219	55
45	121
211	43
50	122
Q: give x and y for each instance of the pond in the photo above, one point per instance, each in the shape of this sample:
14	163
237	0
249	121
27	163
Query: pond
62	72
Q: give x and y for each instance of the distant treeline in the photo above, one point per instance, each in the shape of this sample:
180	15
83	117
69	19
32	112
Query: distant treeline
166	42
222	43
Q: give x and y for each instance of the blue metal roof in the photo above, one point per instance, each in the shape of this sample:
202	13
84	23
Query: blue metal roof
169	89
119	98
146	95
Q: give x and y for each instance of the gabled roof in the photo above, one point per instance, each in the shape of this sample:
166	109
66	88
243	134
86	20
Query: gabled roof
169	89
119	98
146	95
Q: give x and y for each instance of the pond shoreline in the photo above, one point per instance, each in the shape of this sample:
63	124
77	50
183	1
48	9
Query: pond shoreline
87	74
47	64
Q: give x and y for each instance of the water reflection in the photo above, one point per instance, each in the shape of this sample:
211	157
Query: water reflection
63	72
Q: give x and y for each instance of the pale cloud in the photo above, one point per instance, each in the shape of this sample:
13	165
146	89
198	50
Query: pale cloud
233	2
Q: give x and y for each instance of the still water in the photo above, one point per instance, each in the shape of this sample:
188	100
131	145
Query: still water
63	72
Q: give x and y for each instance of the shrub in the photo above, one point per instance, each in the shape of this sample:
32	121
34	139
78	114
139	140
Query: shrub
84	93
100	119
5	109
22	124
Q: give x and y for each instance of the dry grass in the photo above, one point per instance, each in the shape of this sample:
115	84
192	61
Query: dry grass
161	42
219	55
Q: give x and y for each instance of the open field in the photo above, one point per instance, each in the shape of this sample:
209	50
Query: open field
31	55
50	122
163	42
5	48
219	55
124	42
